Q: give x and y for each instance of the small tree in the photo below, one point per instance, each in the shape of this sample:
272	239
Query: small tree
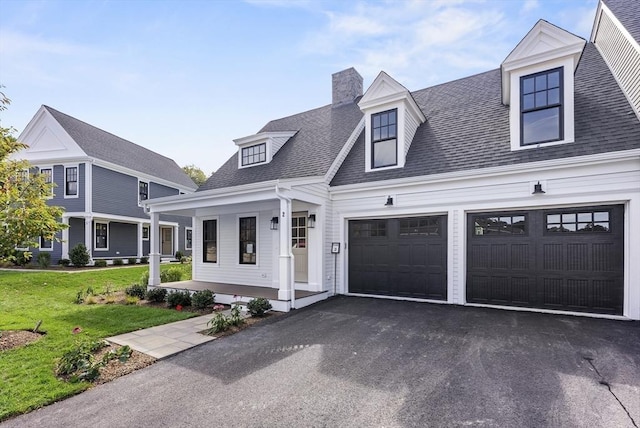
79	255
195	173
24	213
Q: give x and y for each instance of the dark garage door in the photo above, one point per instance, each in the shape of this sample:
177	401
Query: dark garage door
404	257
561	259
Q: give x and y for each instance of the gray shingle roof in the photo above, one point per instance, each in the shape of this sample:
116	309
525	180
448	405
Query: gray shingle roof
105	146
321	135
467	127
628	13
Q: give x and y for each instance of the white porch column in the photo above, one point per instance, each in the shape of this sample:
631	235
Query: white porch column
139	240
65	238
286	257
176	239
88	236
154	250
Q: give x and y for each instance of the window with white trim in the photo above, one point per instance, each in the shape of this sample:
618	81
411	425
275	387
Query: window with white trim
143	191
71	181
45	244
541	109
188	238
384	133
254	154
101	235
210	241
247	235
145	233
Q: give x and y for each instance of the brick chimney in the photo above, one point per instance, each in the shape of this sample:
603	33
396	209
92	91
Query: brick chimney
346	86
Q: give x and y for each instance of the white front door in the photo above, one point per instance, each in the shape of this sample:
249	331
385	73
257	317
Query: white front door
299	244
166	234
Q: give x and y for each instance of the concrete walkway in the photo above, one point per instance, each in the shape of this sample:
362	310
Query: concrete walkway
165	340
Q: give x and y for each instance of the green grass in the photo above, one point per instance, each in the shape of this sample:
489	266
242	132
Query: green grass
27	379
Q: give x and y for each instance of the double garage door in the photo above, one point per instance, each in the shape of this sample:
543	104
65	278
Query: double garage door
561	259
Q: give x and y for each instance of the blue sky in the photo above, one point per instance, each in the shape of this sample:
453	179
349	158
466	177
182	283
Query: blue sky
185	78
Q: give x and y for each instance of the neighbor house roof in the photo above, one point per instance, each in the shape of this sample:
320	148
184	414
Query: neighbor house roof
467	126
110	148
628	13
321	134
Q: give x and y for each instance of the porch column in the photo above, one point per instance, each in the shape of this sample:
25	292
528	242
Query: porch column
176	239
154	250
88	236
286	257
65	238
139	255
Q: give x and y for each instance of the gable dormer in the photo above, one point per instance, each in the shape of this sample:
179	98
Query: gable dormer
538	86
260	148
391	119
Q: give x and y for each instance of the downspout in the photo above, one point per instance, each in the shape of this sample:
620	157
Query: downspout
290	254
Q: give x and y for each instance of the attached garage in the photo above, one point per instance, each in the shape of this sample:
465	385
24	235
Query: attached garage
568	259
405	257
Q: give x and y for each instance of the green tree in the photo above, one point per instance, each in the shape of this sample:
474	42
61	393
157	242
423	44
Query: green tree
195	173
24	213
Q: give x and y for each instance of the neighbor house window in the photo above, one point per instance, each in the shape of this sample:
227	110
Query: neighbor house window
541	107
101	236
248	240
71	181
143	191
209	241
45	244
384	133
47	174
254	154
188	238
145	233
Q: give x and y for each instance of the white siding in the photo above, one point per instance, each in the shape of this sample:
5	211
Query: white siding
410	127
622	57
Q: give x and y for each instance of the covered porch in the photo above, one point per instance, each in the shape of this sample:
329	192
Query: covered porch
231	293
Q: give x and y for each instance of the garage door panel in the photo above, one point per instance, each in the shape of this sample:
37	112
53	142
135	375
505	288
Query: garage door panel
563	261
406	257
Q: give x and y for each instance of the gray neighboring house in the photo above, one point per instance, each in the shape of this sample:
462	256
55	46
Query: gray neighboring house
101	180
515	188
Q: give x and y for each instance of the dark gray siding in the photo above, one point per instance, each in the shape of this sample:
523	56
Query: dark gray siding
115	193
69	204
123	241
76	232
55	253
146	245
183	222
158	191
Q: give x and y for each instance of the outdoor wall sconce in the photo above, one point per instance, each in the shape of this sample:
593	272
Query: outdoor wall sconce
274	223
537	189
389	202
311	221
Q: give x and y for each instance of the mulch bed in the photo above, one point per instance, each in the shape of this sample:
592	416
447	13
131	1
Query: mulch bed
10	339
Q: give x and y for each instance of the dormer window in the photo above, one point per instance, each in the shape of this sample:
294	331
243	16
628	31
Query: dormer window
384	138
541	107
254	154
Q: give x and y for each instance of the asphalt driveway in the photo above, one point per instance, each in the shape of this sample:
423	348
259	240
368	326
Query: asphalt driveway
355	362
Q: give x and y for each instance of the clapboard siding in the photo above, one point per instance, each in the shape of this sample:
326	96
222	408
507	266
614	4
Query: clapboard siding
622	57
158	191
115	193
122	241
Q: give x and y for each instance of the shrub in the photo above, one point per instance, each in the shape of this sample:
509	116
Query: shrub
171	275
218	323
118	262
132	261
144	260
179	255
64	262
144	279
202	299
236	316
136	290
131	300
79	255
79	363
44	260
157	295
182	298
100	263
258	307
21	258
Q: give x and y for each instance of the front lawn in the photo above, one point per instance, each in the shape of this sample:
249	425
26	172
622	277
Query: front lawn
27	379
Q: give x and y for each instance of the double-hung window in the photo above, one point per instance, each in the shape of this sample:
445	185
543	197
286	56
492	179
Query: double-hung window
209	241
188	238
45	244
384	132
254	154
71	181
101	236
143	191
47	174
247	240
541	107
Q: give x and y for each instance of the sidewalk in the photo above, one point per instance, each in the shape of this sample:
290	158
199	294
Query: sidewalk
165	340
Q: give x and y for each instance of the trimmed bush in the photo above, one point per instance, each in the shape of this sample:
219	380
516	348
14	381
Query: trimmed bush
157	295
202	299
182	298
100	263
144	279
179	255
258	307
132	261
118	262
44	260
136	290
144	260
64	262
21	258
79	255
171	275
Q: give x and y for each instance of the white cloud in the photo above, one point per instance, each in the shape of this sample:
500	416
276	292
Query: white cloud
529	5
12	43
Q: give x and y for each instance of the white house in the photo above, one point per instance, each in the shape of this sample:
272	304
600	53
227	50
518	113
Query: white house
515	188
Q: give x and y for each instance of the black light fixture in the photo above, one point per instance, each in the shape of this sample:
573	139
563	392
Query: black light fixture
389	202
311	221
274	223
537	189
